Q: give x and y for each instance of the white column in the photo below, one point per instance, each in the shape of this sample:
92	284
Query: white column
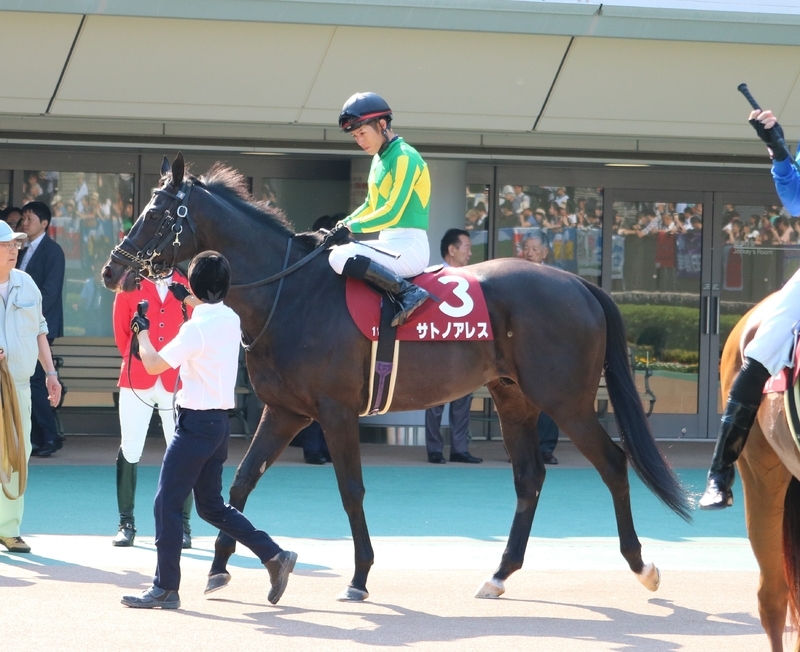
448	200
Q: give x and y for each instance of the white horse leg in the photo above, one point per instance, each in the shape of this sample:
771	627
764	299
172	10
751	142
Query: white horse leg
650	577
491	588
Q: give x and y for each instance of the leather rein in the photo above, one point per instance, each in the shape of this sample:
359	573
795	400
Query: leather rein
144	262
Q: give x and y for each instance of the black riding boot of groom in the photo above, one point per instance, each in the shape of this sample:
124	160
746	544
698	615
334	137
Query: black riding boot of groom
740	414
126	493
407	295
126	498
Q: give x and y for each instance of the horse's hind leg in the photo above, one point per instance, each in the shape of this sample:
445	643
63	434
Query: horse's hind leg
518	426
274	432
582	427
764	479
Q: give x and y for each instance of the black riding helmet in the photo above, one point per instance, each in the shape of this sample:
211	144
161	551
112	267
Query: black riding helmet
362	108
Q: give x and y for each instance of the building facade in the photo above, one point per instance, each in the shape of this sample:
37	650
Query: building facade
615	131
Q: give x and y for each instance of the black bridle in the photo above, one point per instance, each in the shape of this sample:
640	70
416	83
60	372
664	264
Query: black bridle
169	230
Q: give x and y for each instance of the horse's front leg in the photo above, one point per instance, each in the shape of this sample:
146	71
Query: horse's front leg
275	430
518	426
340	426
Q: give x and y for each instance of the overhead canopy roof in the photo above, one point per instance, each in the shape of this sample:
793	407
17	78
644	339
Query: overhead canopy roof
557	74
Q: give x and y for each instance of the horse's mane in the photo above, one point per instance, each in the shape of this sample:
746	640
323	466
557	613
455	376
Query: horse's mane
231	186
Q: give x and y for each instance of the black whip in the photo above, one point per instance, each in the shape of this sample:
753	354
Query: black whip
742	88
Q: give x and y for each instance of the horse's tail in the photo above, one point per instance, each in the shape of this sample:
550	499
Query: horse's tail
634	431
791	548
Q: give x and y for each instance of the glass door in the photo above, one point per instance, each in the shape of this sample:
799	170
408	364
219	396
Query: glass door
659	260
756	250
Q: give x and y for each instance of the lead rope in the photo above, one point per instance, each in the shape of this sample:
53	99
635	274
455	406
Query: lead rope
13	456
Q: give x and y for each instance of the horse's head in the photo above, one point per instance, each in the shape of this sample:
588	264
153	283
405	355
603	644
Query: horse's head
157	241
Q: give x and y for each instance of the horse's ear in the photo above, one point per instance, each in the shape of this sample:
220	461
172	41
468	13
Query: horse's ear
164	166
177	170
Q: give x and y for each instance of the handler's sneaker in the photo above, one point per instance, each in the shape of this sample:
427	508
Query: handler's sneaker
15	544
153	597
279	567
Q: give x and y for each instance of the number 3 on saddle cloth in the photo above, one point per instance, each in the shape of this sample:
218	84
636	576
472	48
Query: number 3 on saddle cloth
456	313
786	382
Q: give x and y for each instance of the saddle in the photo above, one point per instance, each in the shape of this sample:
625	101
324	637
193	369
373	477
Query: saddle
786	382
456	312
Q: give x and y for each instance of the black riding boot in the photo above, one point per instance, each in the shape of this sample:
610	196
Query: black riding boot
408	296
126	492
187	528
739	416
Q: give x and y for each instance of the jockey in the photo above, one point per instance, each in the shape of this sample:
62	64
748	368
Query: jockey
768	352
396	206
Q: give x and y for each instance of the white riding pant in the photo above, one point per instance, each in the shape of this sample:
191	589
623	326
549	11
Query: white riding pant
135	412
772	343
410	244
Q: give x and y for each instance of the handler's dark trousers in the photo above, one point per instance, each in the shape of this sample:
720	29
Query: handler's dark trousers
459	426
193	461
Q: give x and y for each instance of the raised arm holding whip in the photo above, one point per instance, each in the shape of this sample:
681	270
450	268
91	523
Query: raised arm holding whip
770	349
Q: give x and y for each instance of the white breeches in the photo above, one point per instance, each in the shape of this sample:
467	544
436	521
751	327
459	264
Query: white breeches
772	343
410	244
135	411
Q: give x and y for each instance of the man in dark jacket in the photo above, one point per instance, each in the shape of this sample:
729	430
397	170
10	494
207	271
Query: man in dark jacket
43	260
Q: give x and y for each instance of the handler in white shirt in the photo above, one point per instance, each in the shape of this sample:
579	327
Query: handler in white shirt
206	350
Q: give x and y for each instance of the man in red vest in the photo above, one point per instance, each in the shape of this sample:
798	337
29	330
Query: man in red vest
139	392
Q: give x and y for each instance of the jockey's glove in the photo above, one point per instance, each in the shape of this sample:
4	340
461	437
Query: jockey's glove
773	138
179	291
339	233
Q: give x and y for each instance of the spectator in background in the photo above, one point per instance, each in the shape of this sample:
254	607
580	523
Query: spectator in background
31	189
696	222
736	231
523	200
784	230
668	224
456	250
508	218
81	191
482	215
649	223
43	260
535	249
561	197
509	198
12	216
23	337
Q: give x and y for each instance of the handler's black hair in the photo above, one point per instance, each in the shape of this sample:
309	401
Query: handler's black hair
210	276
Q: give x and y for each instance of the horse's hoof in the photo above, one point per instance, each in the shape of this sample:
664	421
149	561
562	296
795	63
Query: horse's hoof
492	588
217	582
352	594
650	577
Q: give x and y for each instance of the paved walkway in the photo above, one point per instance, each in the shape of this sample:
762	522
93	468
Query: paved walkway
438	532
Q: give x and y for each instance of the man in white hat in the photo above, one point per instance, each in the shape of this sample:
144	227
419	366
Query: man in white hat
23	341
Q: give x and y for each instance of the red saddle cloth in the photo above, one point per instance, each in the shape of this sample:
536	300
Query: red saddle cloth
786	378
460	315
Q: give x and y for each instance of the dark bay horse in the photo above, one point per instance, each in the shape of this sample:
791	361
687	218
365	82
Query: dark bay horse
769	467
554	335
